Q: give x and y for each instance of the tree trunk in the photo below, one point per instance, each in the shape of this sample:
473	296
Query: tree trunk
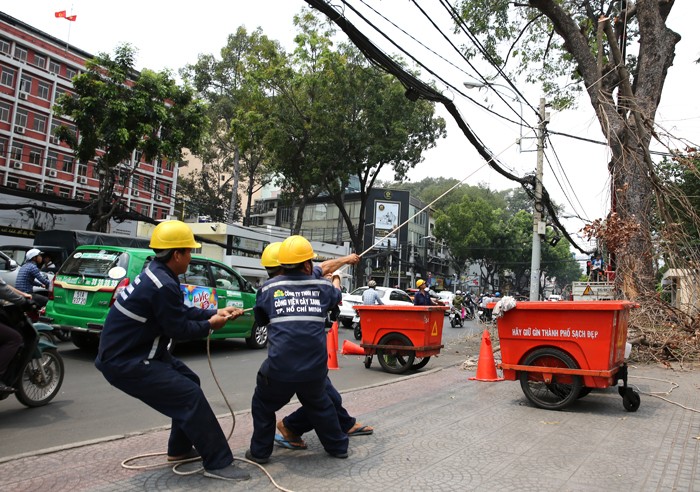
236	179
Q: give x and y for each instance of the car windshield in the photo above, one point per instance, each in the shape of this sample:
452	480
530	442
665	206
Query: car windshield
96	263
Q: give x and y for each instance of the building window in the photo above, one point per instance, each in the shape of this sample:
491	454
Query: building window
4	112
17	152
21	53
54	67
147	184
166	189
44	89
39	123
12	182
39	60
135	182
25	84
82	169
30	186
3	146
35	155
8	77
68	164
21	117
137	156
70	73
63	192
4	46
51	159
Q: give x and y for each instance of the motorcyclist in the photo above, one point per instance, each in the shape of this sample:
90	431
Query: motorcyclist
371	296
10	339
458	303
29	275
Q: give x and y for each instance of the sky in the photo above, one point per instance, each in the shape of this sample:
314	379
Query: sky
169	35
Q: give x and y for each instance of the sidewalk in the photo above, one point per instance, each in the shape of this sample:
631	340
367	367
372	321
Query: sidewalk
436	431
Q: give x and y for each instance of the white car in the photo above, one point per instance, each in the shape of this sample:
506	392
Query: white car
446	297
389	296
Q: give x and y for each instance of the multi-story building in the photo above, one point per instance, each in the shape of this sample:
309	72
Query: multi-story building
35	69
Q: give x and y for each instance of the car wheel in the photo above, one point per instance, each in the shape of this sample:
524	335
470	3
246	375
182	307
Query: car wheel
84	341
258	337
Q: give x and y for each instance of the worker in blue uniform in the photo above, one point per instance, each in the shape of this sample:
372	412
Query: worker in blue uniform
294	425
133	354
422	298
293	306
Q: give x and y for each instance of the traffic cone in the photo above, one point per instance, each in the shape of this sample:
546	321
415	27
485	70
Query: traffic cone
332	347
350	348
486	367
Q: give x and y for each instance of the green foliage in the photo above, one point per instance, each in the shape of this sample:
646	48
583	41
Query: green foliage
117	111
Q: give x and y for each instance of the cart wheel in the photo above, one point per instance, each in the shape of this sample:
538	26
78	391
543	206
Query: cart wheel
368	361
357	331
396	361
584	391
631	400
420	363
563	388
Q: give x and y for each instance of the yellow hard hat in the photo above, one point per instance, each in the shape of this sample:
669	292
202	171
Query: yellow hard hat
420	282
295	250
270	256
173	234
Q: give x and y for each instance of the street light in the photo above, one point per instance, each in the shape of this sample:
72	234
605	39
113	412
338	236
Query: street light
479	85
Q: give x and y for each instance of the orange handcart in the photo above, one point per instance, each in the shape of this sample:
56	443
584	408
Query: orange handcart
560	351
402	337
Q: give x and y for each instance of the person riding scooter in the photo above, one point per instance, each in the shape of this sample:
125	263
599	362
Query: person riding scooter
10	339
458	303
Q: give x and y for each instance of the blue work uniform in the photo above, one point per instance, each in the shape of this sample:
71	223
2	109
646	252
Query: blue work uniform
422	298
298	422
133	357
294	306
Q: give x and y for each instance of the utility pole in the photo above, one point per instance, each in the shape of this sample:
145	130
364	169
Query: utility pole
538	227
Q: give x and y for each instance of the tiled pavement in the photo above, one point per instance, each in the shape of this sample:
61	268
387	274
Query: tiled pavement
435	431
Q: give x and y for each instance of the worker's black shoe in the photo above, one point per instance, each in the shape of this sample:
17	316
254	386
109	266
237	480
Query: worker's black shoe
339	455
192	454
259	461
229	472
6	389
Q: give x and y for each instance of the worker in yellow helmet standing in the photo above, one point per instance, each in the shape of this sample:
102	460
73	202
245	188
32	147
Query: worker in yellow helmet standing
294	306
133	353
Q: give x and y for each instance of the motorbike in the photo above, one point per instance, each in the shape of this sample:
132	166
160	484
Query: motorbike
455	316
36	371
356	328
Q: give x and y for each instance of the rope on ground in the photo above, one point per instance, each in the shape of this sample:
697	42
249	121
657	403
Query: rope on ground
175	464
661	395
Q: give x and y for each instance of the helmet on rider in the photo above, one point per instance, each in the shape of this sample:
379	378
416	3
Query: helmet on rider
270	255
459	292
371	284
32	253
172	234
295	250
497	294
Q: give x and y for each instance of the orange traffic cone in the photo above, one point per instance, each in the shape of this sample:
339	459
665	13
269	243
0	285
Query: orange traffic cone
332	347
486	367
350	348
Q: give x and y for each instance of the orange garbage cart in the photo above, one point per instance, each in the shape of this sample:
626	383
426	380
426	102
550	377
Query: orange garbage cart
560	351
402	337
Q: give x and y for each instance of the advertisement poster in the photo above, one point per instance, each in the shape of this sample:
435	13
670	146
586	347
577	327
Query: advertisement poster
386	216
201	297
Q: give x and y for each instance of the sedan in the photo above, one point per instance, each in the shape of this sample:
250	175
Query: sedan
389	296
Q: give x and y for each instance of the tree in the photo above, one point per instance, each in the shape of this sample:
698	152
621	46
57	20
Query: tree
234	85
207	192
117	111
588	42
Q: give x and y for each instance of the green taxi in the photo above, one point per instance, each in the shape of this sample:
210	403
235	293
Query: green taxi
89	281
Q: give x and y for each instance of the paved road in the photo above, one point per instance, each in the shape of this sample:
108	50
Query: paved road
88	408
